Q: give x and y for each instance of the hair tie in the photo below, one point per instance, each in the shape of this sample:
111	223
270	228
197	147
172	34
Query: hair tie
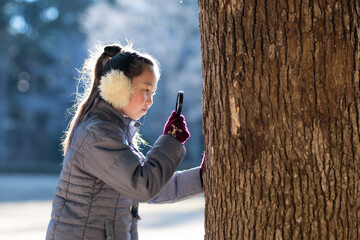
112	50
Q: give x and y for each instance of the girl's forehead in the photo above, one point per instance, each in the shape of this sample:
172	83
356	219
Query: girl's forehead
146	78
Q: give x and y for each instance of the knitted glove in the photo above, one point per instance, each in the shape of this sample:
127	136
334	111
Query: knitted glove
202	168
202	165
176	127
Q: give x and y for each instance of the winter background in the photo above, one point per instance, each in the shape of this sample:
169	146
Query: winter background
43	44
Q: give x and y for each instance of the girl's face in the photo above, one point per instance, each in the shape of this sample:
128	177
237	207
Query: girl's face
142	98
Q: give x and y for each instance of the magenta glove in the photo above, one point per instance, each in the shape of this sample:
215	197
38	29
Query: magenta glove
202	165
202	169
176	127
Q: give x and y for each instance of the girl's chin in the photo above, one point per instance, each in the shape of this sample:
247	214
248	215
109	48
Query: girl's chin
139	116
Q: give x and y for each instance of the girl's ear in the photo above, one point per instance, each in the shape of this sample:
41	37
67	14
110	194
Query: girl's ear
116	88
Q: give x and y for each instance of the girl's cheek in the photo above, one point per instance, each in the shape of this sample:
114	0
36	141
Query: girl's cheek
141	98
137	97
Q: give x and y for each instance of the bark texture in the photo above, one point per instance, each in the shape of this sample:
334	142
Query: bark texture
281	104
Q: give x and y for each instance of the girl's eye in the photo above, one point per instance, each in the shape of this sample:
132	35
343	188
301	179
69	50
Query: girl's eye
148	90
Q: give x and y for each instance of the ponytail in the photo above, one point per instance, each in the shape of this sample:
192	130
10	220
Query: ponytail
109	52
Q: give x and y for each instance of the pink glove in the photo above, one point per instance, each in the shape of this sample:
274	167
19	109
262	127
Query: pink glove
202	168
176	127
202	165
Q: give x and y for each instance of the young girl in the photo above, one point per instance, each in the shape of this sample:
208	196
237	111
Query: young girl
104	176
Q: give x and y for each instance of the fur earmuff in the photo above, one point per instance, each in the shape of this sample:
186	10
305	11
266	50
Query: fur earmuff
116	88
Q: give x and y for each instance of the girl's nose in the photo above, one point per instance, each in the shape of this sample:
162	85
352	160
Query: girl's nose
149	101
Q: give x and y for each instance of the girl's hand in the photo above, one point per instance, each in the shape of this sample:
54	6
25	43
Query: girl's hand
202	165
176	126
202	169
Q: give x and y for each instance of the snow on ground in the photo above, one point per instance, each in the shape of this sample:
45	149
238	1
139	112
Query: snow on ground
25	207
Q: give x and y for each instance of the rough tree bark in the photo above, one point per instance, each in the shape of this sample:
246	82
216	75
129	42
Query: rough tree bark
281	105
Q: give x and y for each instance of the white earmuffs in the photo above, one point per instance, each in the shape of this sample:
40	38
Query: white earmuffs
116	88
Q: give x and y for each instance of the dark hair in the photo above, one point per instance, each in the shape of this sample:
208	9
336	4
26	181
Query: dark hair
114	57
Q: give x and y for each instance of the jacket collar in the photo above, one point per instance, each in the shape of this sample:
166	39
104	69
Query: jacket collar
129	126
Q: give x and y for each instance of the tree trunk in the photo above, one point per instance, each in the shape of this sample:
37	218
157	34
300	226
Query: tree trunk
281	118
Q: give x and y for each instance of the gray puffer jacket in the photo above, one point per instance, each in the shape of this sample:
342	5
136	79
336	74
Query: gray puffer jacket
104	177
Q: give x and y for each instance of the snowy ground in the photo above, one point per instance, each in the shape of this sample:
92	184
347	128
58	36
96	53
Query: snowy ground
25	206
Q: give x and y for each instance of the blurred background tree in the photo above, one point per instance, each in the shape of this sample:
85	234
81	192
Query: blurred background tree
44	42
